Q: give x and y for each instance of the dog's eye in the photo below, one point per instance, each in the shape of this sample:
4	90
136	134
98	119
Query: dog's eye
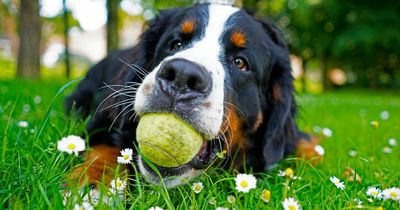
176	45
240	63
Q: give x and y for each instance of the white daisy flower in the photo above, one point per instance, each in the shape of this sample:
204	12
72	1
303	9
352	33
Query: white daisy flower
126	156
221	208
337	182
387	150
392	142
327	132
26	108
23	124
384	115
37	99
391	193
319	150
71	144
281	173
117	185
290	204
352	153
231	199
212	201
197	187
374	192
266	195
84	206
155	208
245	182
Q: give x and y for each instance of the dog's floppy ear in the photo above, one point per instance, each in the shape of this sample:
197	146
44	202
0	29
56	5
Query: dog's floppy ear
280	133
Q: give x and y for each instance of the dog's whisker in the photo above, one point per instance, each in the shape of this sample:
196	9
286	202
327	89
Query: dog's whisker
141	73
112	124
118	104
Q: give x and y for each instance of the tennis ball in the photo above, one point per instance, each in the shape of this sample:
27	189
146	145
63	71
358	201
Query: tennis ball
166	140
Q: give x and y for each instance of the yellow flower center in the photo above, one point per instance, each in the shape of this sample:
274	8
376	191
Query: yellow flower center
266	195
197	187
393	194
289	172
118	184
291	207
126	157
244	184
374	193
71	146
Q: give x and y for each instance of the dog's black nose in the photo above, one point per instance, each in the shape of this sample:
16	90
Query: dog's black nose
183	79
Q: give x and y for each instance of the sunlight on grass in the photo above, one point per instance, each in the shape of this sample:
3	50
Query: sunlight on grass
33	171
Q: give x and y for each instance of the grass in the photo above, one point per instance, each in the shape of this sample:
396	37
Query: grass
32	171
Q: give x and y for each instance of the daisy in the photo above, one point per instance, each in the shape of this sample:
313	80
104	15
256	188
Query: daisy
337	182
374	192
281	173
392	142
384	115
84	206
387	150
391	193
71	144
37	99
374	124
197	187
290	204
319	150
126	156
266	195
221	208
327	132
155	208
352	153
231	199
288	172
212	201
245	182
23	124
117	185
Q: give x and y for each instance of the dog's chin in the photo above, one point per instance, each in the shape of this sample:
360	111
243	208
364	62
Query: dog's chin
174	176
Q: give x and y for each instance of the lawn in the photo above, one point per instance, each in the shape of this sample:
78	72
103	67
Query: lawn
32	171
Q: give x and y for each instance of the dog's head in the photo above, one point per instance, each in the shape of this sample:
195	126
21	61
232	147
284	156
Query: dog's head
225	73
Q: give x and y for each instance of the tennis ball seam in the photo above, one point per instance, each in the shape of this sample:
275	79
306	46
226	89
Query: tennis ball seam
161	150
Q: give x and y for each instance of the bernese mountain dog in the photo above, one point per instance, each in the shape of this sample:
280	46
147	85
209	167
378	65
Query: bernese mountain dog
217	67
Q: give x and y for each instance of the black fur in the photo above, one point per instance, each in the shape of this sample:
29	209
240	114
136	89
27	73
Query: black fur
251	92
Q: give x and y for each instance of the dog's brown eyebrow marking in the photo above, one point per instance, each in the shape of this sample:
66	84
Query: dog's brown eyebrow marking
238	39
187	27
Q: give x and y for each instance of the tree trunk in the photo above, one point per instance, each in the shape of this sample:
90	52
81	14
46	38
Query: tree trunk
29	39
112	25
66	41
326	82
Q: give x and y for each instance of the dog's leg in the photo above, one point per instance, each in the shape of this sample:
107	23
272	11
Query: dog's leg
99	166
309	148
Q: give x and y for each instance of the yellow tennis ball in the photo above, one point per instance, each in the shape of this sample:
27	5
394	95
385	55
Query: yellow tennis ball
166	140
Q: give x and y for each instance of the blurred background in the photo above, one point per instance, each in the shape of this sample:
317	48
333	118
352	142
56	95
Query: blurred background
334	43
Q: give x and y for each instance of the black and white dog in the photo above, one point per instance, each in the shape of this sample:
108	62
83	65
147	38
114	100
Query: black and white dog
218	68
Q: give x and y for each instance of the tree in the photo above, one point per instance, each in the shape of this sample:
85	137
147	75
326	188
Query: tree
29	41
66	40
112	25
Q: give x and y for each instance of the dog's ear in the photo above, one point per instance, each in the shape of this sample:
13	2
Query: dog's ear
280	132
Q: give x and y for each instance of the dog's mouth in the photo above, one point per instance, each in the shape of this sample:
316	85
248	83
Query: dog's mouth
172	176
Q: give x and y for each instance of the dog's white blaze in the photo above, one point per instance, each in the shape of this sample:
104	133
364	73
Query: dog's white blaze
205	52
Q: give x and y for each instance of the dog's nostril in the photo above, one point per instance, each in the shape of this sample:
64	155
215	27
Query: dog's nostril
192	83
170	75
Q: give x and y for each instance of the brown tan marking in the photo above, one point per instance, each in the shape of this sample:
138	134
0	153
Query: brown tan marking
187	27
258	121
305	149
99	166
277	92
238	39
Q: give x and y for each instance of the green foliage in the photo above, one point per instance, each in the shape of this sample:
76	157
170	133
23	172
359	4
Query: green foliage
33	171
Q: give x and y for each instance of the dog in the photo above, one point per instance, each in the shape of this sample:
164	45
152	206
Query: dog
218	68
